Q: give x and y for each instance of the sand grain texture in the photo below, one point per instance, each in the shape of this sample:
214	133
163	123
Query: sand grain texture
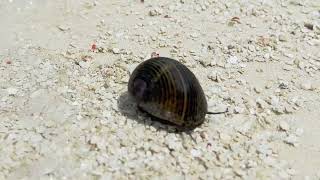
65	113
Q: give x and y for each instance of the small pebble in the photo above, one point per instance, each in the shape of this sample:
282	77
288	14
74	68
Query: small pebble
261	103
116	50
291	140
225	137
239	109
306	85
195	153
63	27
12	91
299	131
155	12
309	26
283	38
257	90
233	60
284	126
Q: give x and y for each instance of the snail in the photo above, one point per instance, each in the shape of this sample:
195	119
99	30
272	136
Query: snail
167	90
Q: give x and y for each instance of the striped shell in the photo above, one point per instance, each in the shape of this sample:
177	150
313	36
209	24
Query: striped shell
168	90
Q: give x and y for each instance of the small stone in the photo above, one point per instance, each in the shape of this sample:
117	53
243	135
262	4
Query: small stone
264	149
214	76
172	142
84	64
205	62
309	26
283	38
299	103
284	85
268	85
284	126
288	109
155	12
290	62
233	60
12	91
194	35
249	103
301	65
195	153
288	55
278	109
251	48
63	27
306	85
257	90
291	140
299	131
162	30
274	100
261	103
238	109
266	56
225	137
251	164
252	25
230	46
116	50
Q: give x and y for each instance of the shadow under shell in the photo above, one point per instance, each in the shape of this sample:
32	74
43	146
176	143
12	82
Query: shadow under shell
129	108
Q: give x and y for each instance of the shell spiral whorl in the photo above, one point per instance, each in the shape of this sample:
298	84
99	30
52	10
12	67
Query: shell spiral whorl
168	90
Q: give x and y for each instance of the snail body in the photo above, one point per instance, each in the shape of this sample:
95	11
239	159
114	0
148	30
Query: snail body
168	90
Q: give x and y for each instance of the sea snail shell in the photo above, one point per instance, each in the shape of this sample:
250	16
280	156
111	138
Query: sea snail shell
168	90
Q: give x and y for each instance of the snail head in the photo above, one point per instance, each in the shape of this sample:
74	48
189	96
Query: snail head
138	89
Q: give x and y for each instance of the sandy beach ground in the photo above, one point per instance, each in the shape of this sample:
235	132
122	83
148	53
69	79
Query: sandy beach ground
65	65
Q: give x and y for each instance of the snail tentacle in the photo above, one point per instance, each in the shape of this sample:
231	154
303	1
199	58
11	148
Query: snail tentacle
221	112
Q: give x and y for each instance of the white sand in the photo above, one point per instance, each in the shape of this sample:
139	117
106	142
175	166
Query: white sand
65	114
